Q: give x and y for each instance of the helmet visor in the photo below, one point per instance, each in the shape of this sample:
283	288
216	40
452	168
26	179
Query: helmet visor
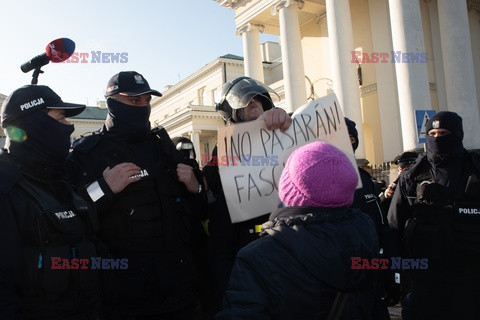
245	90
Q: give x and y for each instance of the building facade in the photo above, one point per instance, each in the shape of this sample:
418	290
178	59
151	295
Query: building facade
187	109
384	59
413	55
90	120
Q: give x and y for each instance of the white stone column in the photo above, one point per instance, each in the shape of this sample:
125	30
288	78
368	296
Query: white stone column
292	56
458	66
195	137
412	78
252	52
344	72
474	18
437	55
391	128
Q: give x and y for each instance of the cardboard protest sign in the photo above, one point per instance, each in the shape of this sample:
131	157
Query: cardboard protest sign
251	158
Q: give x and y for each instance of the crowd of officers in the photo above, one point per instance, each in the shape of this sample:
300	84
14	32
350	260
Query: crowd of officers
132	194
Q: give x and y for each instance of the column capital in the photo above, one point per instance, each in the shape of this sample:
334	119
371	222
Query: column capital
286	3
194	131
320	17
249	27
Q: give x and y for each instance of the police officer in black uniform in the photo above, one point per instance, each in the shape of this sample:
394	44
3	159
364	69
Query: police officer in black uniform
243	99
367	201
45	228
146	199
436	212
207	302
403	161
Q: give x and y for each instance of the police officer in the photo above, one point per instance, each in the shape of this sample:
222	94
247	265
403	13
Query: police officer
146	198
403	161
207	301
435	210
366	200
242	99
45	228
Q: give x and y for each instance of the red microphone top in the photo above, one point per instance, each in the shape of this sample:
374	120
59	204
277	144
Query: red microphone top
60	49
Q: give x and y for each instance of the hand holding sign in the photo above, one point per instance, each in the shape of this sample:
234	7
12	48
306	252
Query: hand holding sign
251	157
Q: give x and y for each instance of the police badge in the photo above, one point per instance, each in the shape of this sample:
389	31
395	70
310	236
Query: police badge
139	79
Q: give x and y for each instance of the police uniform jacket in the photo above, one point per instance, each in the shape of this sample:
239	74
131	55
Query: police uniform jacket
148	223
42	220
436	212
301	263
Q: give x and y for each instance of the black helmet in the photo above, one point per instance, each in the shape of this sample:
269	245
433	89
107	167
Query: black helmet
236	94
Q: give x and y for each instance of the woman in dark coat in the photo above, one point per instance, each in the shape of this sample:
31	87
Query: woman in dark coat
304	260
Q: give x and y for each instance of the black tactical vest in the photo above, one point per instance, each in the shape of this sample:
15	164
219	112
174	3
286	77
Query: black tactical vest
445	227
148	215
57	230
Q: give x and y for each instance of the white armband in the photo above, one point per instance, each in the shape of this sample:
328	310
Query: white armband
95	191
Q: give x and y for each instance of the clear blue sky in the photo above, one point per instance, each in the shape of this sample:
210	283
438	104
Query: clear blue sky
166	41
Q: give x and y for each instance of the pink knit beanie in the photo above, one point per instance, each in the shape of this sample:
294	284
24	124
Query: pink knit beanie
318	175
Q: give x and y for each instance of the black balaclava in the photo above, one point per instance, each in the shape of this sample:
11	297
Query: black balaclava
445	153
442	148
39	142
352	130
128	121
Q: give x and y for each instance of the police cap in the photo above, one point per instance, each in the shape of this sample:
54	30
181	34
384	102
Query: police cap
32	98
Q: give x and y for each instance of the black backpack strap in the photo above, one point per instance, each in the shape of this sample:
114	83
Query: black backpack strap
44	200
167	147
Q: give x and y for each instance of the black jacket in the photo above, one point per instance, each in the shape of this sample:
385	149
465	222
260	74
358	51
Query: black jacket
149	222
406	192
304	260
42	219
225	238
426	215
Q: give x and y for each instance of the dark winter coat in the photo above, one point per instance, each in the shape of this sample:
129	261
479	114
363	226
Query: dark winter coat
296	270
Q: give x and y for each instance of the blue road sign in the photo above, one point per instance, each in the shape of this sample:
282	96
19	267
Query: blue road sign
421	118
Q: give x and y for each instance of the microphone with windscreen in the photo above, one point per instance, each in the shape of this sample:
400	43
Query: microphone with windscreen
58	50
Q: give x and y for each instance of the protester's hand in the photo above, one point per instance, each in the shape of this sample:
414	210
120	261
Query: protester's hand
389	191
276	118
121	176
187	177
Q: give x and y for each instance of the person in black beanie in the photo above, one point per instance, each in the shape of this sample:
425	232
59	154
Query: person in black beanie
366	200
435	211
46	229
147	198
